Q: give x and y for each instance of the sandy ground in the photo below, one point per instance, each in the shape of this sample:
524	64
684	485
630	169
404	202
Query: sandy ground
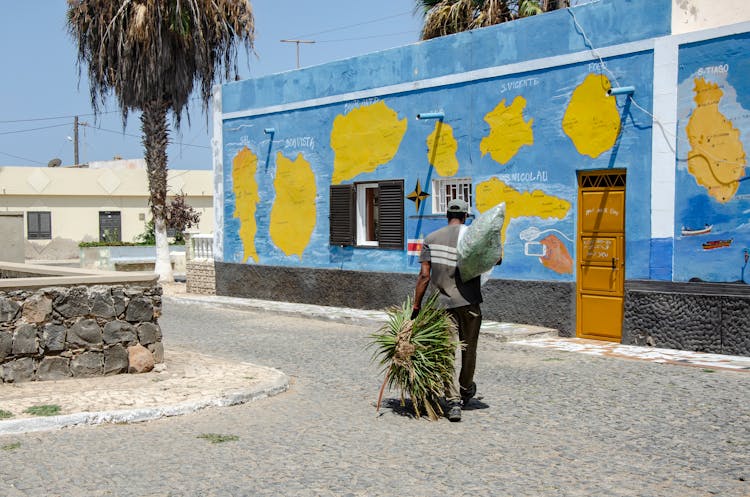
176	288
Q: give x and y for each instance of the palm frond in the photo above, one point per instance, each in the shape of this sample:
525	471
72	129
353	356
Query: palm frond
157	50
448	16
528	8
417	356
444	17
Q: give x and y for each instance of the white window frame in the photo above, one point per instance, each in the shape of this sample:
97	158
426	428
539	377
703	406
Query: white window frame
362	215
462	189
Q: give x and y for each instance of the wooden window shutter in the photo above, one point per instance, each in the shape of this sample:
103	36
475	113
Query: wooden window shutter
391	214
341	218
45	224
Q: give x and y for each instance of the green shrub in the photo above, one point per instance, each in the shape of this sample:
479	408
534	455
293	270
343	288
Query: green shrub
43	410
216	438
110	244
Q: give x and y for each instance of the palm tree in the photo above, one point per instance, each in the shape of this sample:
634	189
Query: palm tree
444	17
150	53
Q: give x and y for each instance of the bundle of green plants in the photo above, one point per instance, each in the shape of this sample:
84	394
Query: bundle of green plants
417	356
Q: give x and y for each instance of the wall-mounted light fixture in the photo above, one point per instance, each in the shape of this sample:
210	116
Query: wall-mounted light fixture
622	90
430	115
269	131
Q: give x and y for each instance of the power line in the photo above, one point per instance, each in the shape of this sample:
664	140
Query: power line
52	118
71	116
139	137
93	128
354	25
22	158
32	129
365	37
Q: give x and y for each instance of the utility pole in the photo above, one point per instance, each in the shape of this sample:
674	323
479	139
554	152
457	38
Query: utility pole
297	42
75	138
75	141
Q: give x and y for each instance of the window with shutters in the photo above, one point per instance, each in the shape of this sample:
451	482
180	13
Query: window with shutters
39	225
368	214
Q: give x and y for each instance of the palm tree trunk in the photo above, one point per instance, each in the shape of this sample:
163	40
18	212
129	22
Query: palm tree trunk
155	141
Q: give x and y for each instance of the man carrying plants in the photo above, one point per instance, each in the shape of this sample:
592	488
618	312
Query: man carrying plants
439	265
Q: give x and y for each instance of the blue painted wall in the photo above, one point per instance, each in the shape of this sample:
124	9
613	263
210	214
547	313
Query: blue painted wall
549	165
723	64
606	22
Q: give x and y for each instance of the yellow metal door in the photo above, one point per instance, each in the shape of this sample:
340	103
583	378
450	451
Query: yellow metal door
601	254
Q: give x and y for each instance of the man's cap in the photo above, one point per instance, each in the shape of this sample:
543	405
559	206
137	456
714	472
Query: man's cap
458	205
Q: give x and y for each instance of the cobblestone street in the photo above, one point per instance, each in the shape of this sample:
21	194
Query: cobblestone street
551	423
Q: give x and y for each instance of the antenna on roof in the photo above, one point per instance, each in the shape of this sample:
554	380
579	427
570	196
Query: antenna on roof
54	163
297	42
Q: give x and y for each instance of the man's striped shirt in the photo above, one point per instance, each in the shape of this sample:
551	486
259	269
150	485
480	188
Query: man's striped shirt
439	249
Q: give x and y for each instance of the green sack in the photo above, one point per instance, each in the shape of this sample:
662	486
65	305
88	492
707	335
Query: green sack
480	246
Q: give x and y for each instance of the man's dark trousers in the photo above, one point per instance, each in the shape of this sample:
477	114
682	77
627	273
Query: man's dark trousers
468	318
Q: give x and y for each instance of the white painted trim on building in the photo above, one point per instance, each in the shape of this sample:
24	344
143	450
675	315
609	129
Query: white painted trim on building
217	147
693	15
712	33
663	137
452	79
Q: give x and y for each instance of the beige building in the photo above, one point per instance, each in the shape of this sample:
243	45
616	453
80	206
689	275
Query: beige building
63	206
694	15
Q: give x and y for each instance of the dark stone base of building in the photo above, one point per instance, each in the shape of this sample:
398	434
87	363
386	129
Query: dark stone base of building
703	317
550	304
540	303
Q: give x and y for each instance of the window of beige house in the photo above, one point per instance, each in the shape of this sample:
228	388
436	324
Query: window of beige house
39	225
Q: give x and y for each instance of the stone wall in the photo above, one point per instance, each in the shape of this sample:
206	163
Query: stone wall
59	332
200	277
704	317
541	303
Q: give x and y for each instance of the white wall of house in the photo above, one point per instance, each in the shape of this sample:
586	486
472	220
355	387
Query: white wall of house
694	15
74	197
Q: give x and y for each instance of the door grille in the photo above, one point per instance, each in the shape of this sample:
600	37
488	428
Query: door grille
602	180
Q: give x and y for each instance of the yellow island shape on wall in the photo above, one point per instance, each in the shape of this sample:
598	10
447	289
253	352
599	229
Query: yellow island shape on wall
442	148
716	158
293	213
244	167
519	204
592	120
364	139
508	131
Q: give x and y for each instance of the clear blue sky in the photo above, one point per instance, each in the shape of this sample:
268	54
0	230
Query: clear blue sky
41	88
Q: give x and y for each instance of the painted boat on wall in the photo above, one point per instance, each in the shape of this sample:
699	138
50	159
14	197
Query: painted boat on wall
715	244
701	231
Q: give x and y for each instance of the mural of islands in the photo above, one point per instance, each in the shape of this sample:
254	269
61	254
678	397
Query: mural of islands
520	140
712	205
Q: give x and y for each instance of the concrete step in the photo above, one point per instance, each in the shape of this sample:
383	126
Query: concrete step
513	332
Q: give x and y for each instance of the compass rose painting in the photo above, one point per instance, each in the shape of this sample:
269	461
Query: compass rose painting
417	196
